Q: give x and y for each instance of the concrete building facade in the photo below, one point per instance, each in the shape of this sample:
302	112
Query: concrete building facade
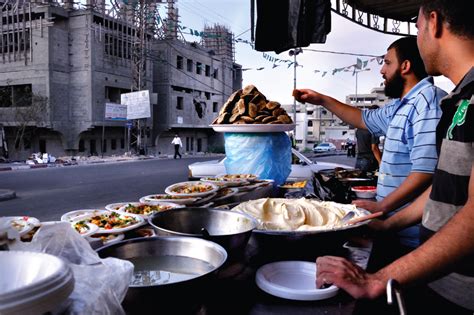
59	66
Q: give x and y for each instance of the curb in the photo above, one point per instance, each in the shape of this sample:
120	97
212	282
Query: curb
24	167
6	194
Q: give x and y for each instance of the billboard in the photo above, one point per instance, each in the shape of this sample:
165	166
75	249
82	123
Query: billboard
138	104
117	112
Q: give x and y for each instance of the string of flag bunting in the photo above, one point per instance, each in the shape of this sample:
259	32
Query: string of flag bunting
277	62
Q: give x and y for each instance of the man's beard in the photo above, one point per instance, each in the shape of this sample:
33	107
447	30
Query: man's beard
394	85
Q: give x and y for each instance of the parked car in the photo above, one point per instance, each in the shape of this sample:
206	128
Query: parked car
324	147
301	168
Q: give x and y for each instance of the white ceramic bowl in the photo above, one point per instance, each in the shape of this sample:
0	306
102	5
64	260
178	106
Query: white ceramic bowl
365	192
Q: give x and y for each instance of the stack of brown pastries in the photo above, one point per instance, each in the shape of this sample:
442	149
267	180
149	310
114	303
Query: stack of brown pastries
249	106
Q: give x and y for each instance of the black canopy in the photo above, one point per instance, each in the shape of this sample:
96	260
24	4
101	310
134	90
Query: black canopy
401	10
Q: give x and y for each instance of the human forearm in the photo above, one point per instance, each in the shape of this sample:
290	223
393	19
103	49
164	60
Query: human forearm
409	215
437	255
454	241
411	187
347	113
377	153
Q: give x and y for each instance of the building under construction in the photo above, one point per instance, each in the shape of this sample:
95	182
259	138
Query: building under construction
61	63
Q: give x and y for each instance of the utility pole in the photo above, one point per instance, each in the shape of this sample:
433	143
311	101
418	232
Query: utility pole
294	53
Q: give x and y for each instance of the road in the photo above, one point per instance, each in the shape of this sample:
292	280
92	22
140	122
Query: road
47	193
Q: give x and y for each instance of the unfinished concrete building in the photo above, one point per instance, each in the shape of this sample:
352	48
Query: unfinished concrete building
61	63
192	82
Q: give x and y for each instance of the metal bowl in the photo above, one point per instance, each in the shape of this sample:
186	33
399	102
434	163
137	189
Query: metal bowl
231	230
167	268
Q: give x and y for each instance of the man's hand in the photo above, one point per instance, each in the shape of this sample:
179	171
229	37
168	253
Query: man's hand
347	276
310	96
372	206
347	113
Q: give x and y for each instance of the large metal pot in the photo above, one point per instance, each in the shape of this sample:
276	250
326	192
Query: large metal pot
167	269
231	230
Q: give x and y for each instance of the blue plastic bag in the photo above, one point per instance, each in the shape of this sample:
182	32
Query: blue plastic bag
267	155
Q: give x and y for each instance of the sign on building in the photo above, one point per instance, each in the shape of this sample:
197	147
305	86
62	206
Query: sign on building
138	104
115	111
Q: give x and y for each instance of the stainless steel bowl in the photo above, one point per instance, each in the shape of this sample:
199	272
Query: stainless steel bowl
231	230
167	268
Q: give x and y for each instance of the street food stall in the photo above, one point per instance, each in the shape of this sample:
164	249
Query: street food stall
240	241
286	228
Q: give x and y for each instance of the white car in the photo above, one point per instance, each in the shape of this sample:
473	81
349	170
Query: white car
325	147
301	168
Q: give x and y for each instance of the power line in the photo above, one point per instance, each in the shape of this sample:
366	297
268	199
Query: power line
341	53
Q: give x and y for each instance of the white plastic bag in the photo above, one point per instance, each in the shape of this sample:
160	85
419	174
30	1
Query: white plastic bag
100	284
267	155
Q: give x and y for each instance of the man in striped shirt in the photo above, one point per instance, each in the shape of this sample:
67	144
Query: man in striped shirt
445	259
409	125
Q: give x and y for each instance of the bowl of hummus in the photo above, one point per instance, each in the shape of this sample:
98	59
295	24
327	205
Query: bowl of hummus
309	227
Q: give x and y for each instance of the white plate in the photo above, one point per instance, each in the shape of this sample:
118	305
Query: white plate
232	192
22	225
91	228
139	219
173	199
251	187
253	127
215	180
205	199
167	205
293	280
117	205
241	177
110	239
170	190
73	215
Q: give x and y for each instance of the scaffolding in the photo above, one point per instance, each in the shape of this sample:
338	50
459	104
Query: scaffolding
220	40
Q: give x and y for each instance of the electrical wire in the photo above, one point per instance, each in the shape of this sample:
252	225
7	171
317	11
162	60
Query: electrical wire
341	53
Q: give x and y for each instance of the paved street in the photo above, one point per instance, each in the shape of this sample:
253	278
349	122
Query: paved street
47	193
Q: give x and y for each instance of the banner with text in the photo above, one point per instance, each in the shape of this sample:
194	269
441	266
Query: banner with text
138	104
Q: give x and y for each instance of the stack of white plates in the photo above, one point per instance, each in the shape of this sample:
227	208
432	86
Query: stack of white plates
33	283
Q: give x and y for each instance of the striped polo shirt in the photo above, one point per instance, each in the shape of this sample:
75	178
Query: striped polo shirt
409	127
450	190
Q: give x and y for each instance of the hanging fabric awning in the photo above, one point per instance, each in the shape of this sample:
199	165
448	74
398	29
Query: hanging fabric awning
278	30
401	10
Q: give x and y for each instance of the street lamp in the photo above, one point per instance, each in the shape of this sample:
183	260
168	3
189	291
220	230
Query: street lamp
294	53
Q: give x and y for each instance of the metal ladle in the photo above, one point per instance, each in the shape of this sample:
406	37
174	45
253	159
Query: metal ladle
349	215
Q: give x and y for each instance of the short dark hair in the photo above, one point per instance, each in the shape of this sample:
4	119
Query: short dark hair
456	14
407	49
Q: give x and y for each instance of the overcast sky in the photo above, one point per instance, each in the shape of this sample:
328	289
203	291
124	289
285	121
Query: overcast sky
277	83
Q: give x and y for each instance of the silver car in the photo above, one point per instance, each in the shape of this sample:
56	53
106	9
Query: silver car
301	168
325	147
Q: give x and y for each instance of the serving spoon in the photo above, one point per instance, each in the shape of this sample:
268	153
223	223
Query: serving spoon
364	218
349	215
